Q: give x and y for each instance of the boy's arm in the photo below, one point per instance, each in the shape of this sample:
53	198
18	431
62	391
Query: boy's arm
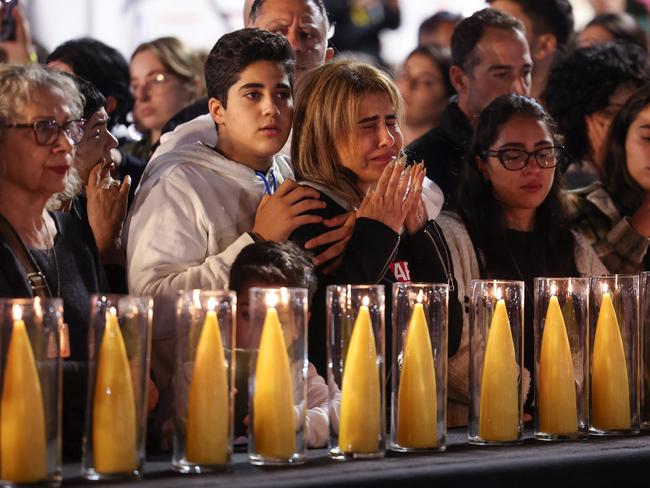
168	242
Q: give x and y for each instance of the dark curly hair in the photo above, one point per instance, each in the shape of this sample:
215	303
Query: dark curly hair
624	189
273	264
554	16
235	51
482	213
581	82
104	67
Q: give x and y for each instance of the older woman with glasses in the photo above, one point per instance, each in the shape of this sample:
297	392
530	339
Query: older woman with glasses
166	75
512	223
46	253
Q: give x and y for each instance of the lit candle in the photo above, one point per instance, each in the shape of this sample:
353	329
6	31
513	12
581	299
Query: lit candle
207	411
22	423
499	409
417	404
273	422
610	391
114	414
360	409
557	392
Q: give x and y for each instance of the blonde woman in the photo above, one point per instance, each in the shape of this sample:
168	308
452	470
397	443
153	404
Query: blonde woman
166	75
347	144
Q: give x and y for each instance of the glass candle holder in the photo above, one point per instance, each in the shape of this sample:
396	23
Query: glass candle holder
613	352
561	324
419	386
356	371
204	380
30	401
277	375
644	337
496	317
119	351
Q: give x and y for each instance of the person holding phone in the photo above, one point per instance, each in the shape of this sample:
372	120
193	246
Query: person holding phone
15	37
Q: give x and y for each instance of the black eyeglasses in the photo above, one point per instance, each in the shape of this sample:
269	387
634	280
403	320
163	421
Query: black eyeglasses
47	131
516	159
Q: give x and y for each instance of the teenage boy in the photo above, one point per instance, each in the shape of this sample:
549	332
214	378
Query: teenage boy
208	203
276	264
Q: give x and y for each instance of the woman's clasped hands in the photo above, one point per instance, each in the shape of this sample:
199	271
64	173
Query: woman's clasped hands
396	201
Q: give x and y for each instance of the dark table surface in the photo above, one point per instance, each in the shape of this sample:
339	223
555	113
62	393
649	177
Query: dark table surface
620	461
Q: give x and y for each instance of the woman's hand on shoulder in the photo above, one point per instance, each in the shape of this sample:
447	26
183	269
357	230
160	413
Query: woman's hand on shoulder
417	215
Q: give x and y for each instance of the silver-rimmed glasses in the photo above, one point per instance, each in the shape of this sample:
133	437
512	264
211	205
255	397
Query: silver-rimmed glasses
47	131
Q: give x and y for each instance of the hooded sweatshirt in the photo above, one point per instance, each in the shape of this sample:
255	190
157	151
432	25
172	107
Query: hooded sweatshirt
189	221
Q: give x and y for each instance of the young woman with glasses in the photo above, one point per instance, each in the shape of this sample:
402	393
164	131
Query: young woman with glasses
511	222
40	125
166	76
614	216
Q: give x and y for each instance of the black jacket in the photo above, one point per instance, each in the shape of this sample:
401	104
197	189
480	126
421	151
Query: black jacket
79	274
443	150
370	258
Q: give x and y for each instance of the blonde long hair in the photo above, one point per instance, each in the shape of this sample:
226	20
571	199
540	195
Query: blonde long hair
327	105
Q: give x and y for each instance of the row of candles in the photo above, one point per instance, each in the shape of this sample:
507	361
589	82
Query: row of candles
587	361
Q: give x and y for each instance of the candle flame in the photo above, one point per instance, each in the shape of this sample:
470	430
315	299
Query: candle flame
365	301
553	289
498	294
284	295
420	296
605	288
271	300
17	312
113	311
38	309
212	304
196	298
570	287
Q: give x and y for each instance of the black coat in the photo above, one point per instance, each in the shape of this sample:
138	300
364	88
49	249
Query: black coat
79	275
443	150
370	258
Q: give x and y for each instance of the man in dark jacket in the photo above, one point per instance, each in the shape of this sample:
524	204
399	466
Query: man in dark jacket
490	57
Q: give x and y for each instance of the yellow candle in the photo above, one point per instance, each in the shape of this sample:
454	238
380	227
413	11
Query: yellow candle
557	392
274	422
360	410
499	409
417	403
114	415
22	420
207	411
610	391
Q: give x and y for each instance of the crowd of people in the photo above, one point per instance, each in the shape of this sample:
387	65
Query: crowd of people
506	146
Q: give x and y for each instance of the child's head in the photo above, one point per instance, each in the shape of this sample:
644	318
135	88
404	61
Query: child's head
270	264
249	78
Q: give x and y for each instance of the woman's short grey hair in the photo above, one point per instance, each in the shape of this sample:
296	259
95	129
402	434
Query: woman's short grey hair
19	83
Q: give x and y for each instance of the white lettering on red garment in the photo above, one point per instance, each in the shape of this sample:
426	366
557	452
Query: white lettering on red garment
401	271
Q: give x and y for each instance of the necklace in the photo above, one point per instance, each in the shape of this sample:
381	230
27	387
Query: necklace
50	256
